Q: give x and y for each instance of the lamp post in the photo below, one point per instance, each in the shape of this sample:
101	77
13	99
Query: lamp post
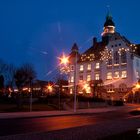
65	60
75	87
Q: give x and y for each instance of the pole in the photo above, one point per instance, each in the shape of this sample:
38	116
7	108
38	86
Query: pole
31	102
30	95
75	89
59	92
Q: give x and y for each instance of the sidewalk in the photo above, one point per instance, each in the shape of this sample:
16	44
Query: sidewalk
56	113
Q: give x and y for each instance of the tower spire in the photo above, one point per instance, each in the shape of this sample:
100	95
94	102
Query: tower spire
108	16
109	26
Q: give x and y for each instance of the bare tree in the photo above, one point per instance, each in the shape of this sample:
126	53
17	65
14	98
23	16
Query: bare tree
24	75
10	73
1	83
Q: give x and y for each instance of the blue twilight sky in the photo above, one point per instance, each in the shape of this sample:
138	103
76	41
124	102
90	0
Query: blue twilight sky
37	31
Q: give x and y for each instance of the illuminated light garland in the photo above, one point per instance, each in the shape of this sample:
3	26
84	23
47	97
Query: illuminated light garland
65	69
106	54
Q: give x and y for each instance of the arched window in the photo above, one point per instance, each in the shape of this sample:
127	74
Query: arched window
116	57
123	57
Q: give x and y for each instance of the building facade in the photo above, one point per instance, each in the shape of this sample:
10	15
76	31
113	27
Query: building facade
109	68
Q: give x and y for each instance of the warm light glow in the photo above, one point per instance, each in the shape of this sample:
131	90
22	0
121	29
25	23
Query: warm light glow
87	88
71	91
15	90
116	74
109	76
97	76
25	88
29	89
81	67
10	90
49	88
97	65
89	67
64	59
72	79
88	77
137	86
124	74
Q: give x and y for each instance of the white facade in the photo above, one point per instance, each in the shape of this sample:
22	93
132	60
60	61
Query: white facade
118	67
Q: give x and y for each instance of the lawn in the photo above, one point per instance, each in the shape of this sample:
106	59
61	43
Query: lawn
25	108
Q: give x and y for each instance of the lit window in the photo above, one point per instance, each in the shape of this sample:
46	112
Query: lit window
124	74
81	67
109	75
97	65
116	74
89	67
97	76
71	91
81	77
69	80
88	77
72	79
88	89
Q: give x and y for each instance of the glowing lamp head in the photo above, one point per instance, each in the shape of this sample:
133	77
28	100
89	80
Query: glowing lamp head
64	59
137	86
50	88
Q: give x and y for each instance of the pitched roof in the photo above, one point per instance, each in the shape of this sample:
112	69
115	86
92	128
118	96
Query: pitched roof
93	53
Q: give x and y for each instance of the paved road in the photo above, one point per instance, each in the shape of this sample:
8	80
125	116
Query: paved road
22	126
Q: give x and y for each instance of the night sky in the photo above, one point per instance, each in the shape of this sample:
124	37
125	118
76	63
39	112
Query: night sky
38	31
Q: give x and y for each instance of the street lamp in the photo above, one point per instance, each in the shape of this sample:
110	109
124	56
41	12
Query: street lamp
64	60
137	86
49	88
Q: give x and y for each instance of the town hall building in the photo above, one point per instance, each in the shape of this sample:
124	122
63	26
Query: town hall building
108	69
